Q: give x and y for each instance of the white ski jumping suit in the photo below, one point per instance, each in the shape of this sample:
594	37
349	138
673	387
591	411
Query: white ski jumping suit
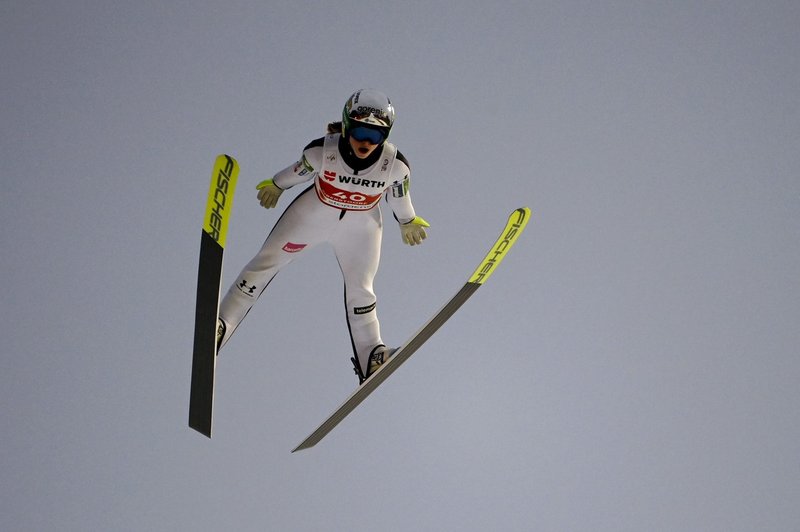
341	208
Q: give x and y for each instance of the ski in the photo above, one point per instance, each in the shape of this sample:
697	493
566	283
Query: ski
516	224
209	278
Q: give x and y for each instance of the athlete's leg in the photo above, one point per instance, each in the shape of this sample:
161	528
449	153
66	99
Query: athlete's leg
357	244
300	227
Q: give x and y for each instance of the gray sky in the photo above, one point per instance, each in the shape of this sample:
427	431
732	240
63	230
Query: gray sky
633	365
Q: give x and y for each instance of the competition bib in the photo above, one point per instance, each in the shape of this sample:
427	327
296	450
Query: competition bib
338	187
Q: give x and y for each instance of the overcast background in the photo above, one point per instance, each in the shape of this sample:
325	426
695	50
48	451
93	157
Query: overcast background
633	365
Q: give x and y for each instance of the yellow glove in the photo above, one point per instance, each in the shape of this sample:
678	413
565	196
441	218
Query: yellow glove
414	231
268	193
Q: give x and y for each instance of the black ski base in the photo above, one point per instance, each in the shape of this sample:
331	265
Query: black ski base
209	274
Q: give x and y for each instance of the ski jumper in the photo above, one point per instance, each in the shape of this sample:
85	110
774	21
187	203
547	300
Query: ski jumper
342	209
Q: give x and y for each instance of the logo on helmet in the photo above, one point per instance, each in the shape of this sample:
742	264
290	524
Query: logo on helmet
364	111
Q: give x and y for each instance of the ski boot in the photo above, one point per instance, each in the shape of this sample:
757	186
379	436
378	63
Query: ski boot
378	356
221	328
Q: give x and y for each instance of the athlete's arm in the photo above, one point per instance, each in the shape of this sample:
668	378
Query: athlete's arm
303	170
399	195
412	227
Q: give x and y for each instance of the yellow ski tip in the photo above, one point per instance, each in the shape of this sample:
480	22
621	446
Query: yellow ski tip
220	198
514	227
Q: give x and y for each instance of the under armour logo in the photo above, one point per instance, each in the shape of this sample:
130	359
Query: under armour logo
244	288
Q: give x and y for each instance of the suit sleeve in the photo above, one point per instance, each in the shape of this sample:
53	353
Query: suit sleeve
399	194
303	170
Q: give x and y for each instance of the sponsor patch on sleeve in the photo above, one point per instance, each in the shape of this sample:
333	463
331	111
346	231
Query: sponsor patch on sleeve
400	188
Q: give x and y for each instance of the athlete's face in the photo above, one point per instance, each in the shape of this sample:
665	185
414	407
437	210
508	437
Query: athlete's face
362	148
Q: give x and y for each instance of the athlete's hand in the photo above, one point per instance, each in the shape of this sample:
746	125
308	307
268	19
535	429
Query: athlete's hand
414	231
268	193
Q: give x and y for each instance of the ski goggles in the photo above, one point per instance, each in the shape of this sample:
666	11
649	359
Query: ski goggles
368	134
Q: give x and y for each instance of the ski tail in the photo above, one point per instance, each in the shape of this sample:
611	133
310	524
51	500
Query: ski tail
209	278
